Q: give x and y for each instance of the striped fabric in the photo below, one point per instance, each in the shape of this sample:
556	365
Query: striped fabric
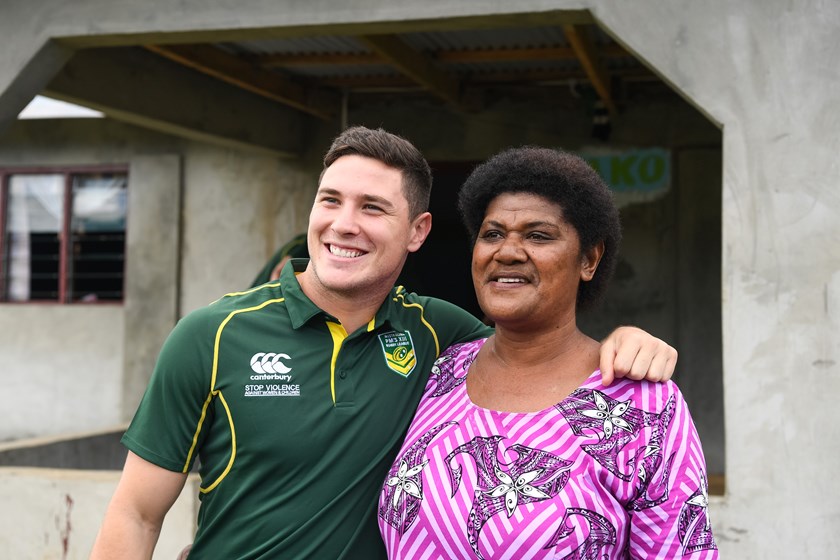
614	472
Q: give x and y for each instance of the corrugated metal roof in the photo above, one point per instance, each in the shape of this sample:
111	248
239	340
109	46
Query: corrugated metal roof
472	39
300	45
474	56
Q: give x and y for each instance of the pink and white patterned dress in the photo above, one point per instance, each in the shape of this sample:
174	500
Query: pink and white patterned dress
609	472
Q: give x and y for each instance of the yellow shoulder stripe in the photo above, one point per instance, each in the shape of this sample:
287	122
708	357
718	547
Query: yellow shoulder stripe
260	287
401	296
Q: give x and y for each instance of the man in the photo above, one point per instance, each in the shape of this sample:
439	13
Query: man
296	394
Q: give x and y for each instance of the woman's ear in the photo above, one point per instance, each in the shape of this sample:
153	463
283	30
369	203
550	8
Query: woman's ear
589	261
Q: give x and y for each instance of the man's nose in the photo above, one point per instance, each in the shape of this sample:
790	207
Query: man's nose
345	221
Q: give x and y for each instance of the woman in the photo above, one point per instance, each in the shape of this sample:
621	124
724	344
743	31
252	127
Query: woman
516	450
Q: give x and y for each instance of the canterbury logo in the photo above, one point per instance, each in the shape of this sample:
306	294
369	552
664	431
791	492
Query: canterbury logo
263	362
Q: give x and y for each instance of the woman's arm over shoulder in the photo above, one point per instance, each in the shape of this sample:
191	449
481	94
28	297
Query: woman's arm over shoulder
636	354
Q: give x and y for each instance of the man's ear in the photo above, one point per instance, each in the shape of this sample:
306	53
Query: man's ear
420	228
589	261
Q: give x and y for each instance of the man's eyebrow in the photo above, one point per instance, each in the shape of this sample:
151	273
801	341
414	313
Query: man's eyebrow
368	198
378	200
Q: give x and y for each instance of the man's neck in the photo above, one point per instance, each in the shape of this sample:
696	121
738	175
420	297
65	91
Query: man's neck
351	309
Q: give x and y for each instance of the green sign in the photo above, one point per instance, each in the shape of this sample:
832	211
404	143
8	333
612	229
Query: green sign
644	172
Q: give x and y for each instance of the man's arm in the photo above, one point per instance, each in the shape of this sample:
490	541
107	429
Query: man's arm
633	353
135	515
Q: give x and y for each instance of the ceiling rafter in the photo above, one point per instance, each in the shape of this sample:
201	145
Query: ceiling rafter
589	58
315	82
235	71
415	65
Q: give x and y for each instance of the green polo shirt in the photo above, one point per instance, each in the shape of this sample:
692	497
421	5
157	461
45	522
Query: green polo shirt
295	422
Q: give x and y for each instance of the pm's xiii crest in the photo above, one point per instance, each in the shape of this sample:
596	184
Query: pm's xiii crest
398	350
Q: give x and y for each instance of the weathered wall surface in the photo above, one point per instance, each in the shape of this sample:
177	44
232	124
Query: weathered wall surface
74	368
61	368
56	513
766	72
238	208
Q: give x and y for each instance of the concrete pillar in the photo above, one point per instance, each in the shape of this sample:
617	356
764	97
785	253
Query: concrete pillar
153	258
25	70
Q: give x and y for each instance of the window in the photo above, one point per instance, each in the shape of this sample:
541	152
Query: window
63	234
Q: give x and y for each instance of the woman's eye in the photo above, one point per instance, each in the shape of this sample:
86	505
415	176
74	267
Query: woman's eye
537	236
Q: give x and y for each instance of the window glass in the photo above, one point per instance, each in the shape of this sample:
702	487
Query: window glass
62	235
33	233
97	231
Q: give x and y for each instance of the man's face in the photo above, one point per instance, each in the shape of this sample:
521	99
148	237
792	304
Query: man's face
359	229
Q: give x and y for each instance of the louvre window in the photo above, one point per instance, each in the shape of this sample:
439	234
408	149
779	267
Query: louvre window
63	235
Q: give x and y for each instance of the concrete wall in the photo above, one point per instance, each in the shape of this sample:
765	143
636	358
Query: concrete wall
238	208
99	450
54	514
766	72
202	221
61	368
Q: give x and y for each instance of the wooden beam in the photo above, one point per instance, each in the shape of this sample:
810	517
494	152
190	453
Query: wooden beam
415	65
232	70
587	54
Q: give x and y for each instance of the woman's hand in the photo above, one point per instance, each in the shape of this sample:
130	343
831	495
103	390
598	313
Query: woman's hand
633	353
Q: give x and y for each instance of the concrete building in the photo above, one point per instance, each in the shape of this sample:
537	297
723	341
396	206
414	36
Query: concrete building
722	146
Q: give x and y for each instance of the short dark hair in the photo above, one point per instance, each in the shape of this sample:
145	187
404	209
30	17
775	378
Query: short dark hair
392	150
562	178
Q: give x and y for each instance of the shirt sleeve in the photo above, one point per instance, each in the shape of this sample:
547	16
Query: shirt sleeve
669	515
166	427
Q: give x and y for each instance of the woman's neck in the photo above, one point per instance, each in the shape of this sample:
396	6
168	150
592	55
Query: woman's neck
536	347
527	372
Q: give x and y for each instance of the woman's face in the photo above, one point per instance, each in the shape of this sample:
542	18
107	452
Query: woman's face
527	262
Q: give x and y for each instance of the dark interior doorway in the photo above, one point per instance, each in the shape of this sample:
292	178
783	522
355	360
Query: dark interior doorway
441	268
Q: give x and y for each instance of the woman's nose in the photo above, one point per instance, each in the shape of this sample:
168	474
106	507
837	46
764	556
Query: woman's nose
511	249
